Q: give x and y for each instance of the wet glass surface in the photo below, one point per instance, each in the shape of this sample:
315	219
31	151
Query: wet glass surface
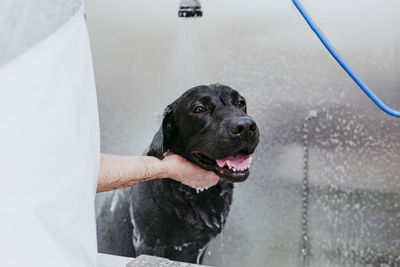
145	57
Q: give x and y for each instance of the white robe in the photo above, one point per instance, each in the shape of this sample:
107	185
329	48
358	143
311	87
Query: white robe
49	152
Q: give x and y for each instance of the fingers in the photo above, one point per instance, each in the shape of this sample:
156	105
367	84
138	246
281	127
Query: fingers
167	153
200	178
189	173
206	181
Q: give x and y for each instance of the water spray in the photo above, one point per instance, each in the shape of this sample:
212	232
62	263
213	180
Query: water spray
190	8
343	63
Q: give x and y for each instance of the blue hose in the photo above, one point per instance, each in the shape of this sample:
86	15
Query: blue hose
344	64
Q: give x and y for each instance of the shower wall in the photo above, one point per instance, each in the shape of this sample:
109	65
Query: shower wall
145	57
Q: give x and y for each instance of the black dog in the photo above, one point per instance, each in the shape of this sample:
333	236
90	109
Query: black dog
209	126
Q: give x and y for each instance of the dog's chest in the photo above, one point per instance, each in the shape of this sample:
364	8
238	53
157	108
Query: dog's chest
199	211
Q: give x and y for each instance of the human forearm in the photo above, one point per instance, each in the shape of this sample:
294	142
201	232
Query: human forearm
122	171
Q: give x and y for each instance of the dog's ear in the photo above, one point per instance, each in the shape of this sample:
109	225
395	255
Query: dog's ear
163	139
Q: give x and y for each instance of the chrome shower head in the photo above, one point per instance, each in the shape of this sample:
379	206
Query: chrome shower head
190	8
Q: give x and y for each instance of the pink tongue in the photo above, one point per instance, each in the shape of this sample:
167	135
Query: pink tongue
238	161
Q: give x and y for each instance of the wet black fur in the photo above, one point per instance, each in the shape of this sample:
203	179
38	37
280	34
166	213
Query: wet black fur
164	217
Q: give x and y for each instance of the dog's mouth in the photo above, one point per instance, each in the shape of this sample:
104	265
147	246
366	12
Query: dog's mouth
234	168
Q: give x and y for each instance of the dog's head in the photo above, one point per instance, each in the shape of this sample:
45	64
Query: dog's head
209	126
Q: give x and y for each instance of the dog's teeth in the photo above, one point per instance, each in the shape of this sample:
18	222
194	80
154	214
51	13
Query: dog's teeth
234	170
229	165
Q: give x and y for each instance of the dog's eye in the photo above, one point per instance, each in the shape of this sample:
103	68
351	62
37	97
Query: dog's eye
242	103
199	109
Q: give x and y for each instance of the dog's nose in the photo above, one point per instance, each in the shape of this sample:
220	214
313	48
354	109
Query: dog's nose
244	127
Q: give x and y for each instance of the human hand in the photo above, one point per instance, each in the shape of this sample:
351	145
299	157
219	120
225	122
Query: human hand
188	173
